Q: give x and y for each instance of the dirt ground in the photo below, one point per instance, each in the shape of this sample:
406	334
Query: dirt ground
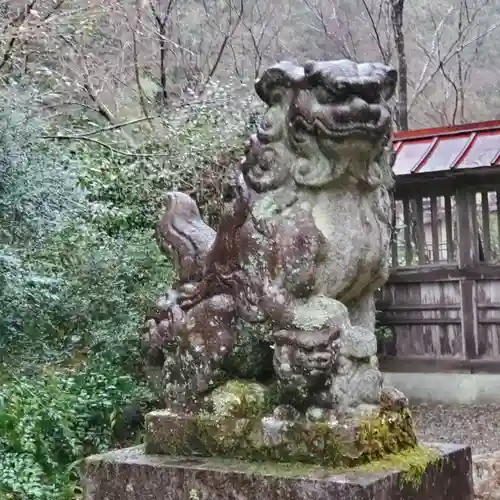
475	425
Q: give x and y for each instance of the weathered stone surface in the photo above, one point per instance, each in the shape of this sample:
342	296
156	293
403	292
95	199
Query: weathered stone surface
302	245
331	443
131	475
486	471
239	399
358	342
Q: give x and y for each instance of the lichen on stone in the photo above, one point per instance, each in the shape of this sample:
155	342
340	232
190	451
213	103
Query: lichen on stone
259	437
239	399
319	312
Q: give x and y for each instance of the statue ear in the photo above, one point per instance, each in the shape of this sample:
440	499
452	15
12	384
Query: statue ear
389	83
385	76
275	81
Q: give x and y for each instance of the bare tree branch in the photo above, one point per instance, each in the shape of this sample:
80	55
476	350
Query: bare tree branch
15	26
102	109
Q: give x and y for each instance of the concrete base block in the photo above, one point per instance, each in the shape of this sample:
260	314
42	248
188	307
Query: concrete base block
327	443
130	474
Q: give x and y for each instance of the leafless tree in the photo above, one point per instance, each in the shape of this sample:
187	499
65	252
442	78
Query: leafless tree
353	29
161	12
397	21
20	23
460	33
258	36
435	45
123	59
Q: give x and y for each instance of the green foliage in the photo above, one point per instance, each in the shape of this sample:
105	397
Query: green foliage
37	181
48	423
383	333
187	149
62	277
79	267
80	282
72	299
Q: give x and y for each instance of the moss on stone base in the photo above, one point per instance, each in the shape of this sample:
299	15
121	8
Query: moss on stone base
236	423
411	462
269	439
239	399
386	432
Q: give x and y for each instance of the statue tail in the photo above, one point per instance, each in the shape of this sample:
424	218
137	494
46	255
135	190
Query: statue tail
181	231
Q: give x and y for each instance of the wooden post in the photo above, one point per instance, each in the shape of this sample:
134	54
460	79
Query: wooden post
394	236
449	229
420	232
474	225
435	230
466	258
407	233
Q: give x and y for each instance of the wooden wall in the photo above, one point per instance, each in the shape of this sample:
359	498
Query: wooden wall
442	301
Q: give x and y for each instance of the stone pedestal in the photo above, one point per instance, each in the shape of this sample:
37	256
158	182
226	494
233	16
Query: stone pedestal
486	475
332	444
130	474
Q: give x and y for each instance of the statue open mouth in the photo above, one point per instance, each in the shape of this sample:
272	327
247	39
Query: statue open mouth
300	126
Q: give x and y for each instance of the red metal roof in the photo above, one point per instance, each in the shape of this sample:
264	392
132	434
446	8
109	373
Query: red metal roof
447	148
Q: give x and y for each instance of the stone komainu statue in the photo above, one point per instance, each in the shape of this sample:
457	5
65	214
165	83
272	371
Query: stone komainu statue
303	244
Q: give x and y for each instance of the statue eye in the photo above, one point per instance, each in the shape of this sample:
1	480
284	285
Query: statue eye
276	97
370	92
330	96
228	193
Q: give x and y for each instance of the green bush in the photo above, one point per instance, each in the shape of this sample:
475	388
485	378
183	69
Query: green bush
79	267
38	191
48	423
61	277
187	149
80	283
72	370
72	298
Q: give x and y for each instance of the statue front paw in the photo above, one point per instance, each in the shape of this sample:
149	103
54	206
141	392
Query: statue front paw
188	294
275	303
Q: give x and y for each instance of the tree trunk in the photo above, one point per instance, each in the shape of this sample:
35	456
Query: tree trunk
397	10
163	65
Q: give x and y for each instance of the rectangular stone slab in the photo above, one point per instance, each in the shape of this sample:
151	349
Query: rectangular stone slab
130	474
269	439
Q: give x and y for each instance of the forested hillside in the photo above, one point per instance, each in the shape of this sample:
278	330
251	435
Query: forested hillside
125	59
107	104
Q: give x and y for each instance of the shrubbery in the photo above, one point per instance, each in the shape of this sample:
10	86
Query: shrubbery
51	419
78	268
187	149
72	298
